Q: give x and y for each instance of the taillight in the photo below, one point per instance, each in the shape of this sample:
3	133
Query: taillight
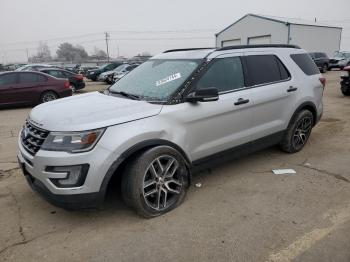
323	81
79	77
66	84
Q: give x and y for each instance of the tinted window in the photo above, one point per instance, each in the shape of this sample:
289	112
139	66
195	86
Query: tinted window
56	73
305	63
8	79
224	74
263	69
283	70
31	78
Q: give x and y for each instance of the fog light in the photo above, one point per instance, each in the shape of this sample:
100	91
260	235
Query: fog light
75	177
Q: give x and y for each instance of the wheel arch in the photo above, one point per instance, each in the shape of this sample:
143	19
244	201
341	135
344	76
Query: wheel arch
308	106
118	164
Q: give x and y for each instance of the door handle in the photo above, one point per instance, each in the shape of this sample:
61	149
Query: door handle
241	101
292	89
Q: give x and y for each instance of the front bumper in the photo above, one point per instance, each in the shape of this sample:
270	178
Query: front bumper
78	201
89	195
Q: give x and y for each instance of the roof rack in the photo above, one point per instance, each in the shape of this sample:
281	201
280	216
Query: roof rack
258	46
187	49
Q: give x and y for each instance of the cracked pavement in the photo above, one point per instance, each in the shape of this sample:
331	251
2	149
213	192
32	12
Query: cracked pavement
242	212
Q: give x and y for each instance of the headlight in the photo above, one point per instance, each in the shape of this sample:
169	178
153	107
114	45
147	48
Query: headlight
72	142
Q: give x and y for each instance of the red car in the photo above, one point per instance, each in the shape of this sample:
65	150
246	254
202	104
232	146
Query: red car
30	88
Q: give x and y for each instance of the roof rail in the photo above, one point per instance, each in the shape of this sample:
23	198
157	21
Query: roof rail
187	49
258	46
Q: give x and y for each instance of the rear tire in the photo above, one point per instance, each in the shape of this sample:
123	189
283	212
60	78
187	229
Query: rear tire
298	132
345	91
48	96
324	68
155	182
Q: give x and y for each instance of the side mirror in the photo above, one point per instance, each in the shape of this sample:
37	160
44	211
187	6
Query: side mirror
203	95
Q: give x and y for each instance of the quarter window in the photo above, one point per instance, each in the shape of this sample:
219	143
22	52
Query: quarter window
264	69
225	74
305	63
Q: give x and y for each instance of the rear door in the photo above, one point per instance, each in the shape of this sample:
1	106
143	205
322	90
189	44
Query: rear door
8	83
30	86
274	93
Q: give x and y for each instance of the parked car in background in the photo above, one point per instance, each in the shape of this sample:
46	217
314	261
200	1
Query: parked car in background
33	67
321	60
345	81
76	80
340	60
103	76
118	75
94	73
177	112
29	88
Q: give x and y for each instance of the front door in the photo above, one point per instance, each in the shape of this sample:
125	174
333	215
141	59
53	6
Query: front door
212	127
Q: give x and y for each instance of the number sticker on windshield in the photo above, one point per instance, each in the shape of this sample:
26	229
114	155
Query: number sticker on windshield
168	79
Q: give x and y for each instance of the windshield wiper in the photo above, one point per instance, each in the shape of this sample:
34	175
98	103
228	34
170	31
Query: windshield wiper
131	96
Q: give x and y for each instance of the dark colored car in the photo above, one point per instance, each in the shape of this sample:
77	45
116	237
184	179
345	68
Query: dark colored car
76	80
340	60
321	60
30	88
93	74
345	82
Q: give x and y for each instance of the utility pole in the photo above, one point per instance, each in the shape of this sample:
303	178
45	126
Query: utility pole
107	38
27	55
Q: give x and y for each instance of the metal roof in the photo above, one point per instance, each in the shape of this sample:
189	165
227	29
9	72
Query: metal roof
284	20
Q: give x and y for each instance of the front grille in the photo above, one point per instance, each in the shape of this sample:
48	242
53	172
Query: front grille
32	137
333	61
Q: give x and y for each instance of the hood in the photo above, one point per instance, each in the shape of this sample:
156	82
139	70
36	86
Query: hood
108	73
90	111
337	58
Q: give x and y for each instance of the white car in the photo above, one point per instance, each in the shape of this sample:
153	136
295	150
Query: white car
177	112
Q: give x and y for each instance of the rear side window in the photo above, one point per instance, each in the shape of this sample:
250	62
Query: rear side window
31	78
264	69
8	79
225	74
305	63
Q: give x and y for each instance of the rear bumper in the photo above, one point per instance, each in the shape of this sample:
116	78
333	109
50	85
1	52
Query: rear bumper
65	93
80	85
71	202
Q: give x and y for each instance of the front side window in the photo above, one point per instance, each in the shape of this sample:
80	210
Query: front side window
225	74
264	69
8	79
156	79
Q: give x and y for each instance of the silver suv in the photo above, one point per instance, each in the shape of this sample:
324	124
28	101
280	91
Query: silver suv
165	119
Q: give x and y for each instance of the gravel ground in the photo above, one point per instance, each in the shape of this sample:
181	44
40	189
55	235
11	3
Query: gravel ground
242	212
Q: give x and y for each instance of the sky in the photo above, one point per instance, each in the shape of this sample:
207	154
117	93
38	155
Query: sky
137	26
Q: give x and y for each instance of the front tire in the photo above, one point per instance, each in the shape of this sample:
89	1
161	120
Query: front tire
298	132
155	182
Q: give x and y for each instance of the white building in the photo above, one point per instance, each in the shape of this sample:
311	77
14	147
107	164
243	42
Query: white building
257	29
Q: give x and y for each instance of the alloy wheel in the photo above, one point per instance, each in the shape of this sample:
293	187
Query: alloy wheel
49	97
302	132
162	183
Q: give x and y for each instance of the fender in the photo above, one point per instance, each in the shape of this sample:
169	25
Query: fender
134	149
303	105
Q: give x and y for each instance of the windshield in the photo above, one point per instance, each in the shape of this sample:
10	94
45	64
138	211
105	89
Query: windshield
156	79
121	68
342	55
102	66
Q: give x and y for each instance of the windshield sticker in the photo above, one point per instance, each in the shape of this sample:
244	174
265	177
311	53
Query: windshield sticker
168	79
